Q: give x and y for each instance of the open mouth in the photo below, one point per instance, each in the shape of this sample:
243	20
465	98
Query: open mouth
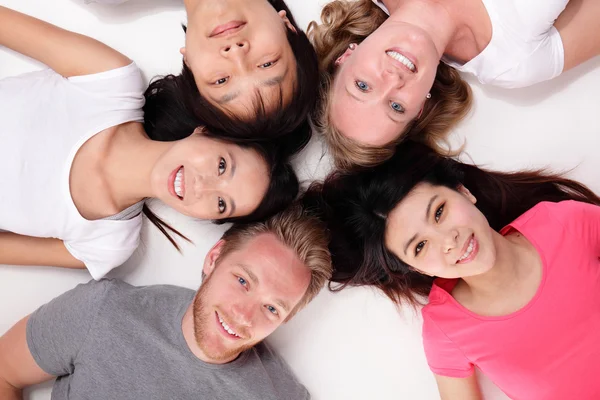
403	60
227	29
177	183
470	250
226	328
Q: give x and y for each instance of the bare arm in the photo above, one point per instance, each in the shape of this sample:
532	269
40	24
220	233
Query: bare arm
580	32
458	388
26	250
68	53
18	369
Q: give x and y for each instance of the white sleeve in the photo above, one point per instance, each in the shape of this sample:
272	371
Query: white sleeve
124	82
380	4
544	63
108	250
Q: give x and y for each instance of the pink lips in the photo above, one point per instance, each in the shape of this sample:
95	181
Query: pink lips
227	29
473	252
411	58
171	181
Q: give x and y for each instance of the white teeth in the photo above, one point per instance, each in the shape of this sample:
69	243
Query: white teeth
177	183
469	250
227	328
399	57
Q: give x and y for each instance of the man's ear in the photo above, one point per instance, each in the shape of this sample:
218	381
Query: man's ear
463	190
210	261
286	21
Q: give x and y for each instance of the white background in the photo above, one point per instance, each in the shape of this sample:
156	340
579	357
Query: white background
351	345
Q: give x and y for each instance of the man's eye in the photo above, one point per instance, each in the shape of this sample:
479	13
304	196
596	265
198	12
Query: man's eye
222	205
222	166
419	247
272	310
396	107
242	281
362	86
439	212
220	81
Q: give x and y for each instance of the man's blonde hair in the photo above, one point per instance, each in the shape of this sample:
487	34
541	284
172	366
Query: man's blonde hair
305	234
344	22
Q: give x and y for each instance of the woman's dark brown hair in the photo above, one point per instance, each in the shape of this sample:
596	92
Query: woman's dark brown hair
356	206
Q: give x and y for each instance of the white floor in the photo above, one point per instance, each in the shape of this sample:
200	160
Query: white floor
352	345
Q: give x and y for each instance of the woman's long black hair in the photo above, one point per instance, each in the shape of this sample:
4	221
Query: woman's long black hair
356	206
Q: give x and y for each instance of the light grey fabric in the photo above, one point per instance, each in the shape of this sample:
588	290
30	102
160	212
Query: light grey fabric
110	340
128	213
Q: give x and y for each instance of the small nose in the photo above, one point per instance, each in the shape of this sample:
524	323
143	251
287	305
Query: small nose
392	77
203	184
450	240
239	48
243	313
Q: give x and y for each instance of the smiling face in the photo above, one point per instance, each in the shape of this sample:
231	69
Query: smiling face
246	295
210	179
381	86
439	232
237	50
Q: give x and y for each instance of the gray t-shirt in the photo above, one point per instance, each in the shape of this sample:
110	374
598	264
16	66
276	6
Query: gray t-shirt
110	340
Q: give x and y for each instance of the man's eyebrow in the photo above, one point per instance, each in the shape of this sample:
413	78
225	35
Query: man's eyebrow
229	97
353	95
283	305
231	207
250	274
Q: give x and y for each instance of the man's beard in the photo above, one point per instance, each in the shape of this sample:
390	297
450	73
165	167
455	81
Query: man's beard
202	322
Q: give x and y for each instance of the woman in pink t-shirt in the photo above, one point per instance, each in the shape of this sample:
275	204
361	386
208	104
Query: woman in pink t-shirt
510	262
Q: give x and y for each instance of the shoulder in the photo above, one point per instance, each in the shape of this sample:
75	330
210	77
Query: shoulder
284	380
126	77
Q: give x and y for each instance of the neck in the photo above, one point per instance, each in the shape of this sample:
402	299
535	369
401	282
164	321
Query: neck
506	272
438	19
127	167
187	327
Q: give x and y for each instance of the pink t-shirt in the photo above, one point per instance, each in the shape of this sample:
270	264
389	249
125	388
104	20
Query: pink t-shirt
549	349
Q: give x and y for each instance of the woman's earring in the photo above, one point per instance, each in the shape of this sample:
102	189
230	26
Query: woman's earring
428	95
352	46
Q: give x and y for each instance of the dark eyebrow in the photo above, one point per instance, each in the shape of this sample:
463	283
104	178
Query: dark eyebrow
229	97
231	207
427	211
353	95
232	170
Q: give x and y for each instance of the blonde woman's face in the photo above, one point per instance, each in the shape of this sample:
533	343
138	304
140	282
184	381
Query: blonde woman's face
382	84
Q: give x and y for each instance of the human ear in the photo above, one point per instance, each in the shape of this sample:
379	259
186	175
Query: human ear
286	21
464	191
210	261
342	59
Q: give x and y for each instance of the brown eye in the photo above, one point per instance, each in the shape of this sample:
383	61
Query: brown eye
222	166
439	212
220	81
419	247
222	205
267	64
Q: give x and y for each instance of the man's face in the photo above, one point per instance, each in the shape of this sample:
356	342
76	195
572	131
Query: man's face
238	50
246	295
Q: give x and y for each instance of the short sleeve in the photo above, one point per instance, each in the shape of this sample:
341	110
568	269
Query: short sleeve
109	248
443	356
581	220
58	330
124	83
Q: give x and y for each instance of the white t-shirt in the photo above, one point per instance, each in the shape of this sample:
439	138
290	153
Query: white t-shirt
525	47
44	120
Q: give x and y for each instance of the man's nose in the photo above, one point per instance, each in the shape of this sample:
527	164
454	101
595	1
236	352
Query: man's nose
237	49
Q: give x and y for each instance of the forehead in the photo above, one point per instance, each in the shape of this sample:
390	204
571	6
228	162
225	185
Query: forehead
409	214
276	266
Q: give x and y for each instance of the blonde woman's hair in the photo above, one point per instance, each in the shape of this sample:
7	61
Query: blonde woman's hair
344	22
299	230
